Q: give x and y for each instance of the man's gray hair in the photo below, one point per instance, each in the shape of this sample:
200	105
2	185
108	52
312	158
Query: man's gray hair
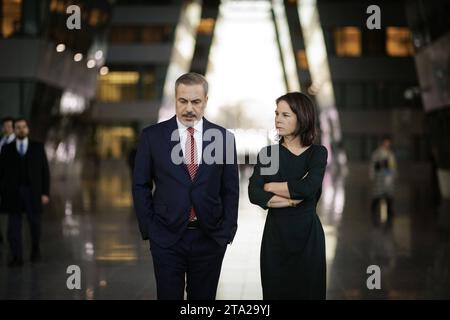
192	78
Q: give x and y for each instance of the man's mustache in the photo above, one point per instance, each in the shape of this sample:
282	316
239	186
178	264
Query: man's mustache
189	114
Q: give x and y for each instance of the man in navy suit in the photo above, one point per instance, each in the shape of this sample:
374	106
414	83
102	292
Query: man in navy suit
24	187
186	194
7	137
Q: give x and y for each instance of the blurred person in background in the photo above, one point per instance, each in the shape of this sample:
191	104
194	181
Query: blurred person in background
6	138
25	187
383	173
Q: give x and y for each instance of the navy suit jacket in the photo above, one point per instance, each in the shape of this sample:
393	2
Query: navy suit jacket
38	174
163	191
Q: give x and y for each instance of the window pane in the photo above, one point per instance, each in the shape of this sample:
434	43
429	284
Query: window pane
206	26
153	34
140	34
123	35
347	41
11	17
302	61
118	86
398	42
148	85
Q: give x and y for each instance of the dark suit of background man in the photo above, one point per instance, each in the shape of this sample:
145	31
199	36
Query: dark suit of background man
8	135
192	214
6	138
25	185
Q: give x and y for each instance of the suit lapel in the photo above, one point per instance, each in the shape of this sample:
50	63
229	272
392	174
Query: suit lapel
172	129
16	152
16	155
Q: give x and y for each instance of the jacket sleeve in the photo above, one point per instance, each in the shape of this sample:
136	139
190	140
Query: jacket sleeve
307	187
230	189
256	192
143	184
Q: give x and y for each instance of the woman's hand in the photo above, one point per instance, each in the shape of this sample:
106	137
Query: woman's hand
280	202
278	188
268	187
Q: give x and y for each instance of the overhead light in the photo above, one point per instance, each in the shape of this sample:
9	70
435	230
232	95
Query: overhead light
72	103
60	47
99	55
77	57
104	70
91	63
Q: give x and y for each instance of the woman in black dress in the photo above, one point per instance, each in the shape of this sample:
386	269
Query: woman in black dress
293	262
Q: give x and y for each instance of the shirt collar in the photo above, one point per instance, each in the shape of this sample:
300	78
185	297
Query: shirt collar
25	141
8	138
11	137
197	127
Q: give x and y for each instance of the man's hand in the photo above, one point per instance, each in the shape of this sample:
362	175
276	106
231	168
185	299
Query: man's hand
45	199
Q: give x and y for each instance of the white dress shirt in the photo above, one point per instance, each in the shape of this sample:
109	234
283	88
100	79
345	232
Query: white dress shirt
25	145
6	140
198	137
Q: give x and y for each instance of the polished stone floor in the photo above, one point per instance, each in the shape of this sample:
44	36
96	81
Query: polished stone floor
90	223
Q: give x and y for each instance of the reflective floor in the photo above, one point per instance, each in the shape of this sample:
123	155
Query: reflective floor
90	223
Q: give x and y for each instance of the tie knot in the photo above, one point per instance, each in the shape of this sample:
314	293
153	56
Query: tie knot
190	130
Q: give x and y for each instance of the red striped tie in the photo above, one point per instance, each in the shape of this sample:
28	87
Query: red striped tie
192	163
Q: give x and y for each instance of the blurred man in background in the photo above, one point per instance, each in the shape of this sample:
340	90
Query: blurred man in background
6	138
7	132
25	186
